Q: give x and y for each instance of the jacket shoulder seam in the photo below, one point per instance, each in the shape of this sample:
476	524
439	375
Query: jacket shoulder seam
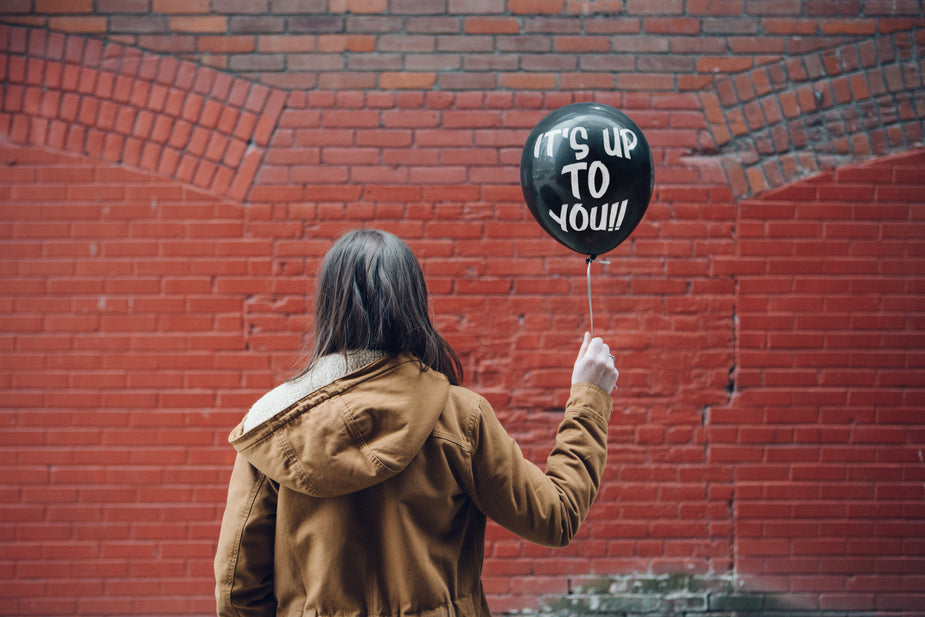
452	438
476	416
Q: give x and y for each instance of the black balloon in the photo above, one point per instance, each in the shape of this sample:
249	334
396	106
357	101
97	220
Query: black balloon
587	175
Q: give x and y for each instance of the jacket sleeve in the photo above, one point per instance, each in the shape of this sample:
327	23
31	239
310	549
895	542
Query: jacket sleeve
544	508
244	558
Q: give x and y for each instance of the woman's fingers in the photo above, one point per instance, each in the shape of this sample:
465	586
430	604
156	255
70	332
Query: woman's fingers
595	364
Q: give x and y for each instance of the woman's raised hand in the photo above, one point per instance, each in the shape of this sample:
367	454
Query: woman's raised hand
595	364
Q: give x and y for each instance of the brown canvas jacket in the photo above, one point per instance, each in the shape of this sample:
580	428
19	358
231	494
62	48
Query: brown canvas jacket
369	497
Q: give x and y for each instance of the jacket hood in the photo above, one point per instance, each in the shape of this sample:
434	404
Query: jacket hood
352	433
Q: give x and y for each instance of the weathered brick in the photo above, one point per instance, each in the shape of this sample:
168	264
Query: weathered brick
327	23
256	62
256	25
63	6
227	44
240	6
433	25
290	7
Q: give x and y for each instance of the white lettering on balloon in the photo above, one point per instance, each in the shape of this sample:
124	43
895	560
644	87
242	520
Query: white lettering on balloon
606	217
594	176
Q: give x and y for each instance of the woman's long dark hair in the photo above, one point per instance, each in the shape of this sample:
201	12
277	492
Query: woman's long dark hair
371	294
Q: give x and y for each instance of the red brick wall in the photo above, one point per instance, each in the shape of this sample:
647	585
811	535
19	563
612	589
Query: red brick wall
171	173
824	433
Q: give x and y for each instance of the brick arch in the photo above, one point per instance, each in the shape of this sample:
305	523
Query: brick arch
802	115
116	103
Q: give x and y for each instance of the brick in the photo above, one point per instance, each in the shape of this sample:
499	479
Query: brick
491	25
241	6
552	7
225	44
407	80
315	24
198	24
61	6
81	25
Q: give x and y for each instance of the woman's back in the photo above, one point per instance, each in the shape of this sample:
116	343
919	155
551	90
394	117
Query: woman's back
366	493
354	513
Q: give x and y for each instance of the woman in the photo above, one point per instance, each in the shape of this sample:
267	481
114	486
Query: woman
362	486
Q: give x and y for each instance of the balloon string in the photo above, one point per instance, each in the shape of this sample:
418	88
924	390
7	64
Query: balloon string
590	259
